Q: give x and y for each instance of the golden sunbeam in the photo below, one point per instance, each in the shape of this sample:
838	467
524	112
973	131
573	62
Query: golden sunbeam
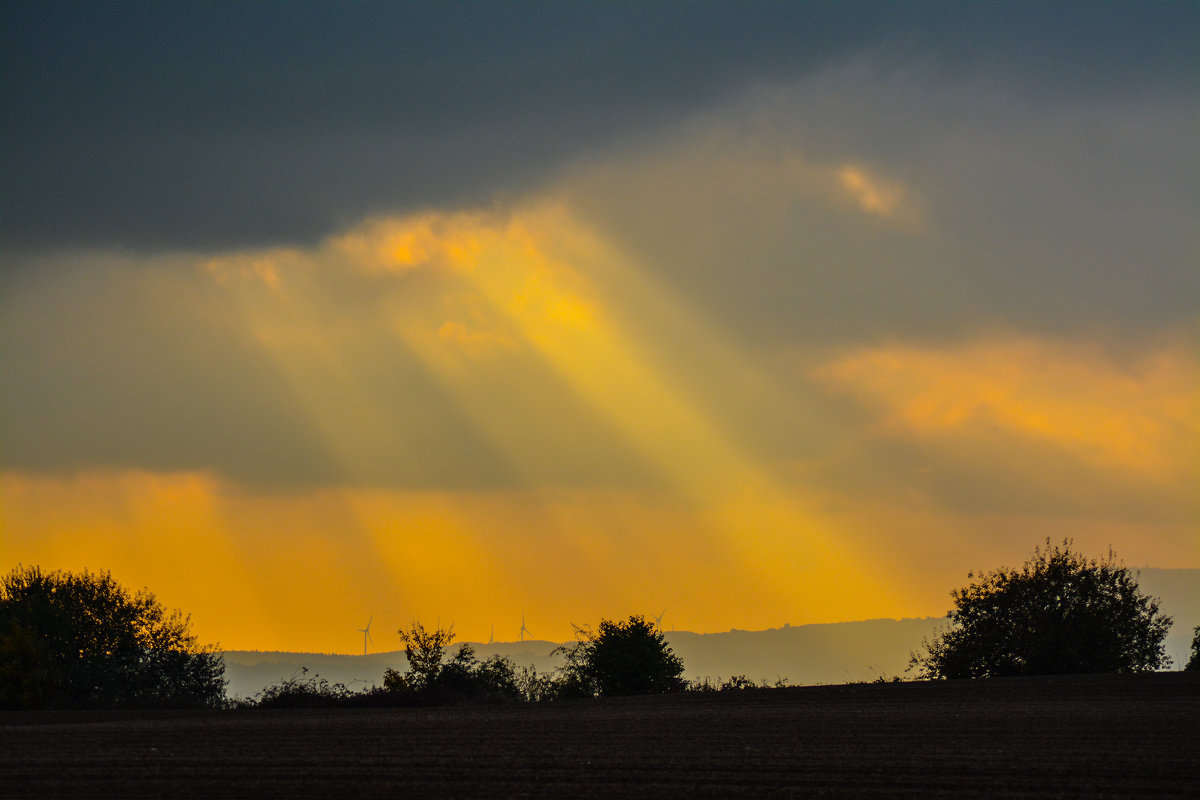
508	312
529	269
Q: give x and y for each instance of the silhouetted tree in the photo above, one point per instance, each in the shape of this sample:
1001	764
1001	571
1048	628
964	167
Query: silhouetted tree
1194	662
82	640
432	678
424	651
1060	613
619	658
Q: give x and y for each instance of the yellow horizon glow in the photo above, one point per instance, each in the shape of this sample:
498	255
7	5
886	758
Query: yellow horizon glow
293	571
302	571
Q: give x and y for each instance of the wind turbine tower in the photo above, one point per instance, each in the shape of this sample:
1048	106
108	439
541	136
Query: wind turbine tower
366	632
524	630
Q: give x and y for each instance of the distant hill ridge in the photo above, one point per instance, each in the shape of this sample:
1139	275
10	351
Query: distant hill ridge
837	652
803	654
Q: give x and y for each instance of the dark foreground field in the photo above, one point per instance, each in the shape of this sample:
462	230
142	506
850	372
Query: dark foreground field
1093	736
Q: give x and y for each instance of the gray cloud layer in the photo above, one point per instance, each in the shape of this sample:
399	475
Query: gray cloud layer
1047	153
1059	219
209	126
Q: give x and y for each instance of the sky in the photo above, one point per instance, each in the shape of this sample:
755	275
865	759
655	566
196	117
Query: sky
743	313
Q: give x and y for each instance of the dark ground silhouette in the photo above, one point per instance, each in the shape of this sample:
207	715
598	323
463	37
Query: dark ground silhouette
1064	736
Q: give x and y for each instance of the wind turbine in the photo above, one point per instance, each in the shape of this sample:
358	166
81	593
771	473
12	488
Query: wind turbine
366	632
492	635
658	621
524	630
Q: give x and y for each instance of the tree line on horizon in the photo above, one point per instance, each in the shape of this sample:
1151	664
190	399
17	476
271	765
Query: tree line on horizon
84	641
626	657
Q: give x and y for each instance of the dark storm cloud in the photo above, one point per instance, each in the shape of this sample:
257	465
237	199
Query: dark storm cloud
218	125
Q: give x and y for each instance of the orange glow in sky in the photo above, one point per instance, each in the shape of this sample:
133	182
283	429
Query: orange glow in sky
676	503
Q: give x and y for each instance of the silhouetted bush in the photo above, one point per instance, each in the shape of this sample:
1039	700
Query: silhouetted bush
1194	662
619	658
82	640
424	651
1060	613
433	679
301	691
735	683
535	688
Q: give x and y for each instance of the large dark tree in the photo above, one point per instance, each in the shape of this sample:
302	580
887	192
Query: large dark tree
82	640
1060	613
620	658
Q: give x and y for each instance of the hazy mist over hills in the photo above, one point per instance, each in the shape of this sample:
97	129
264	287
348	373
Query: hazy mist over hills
803	654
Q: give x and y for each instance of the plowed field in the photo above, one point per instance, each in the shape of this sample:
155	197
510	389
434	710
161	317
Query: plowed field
1090	736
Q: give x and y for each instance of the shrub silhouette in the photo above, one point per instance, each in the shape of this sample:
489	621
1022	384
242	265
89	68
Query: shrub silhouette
735	683
619	658
433	679
302	691
70	640
1060	613
1194	662
424	651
